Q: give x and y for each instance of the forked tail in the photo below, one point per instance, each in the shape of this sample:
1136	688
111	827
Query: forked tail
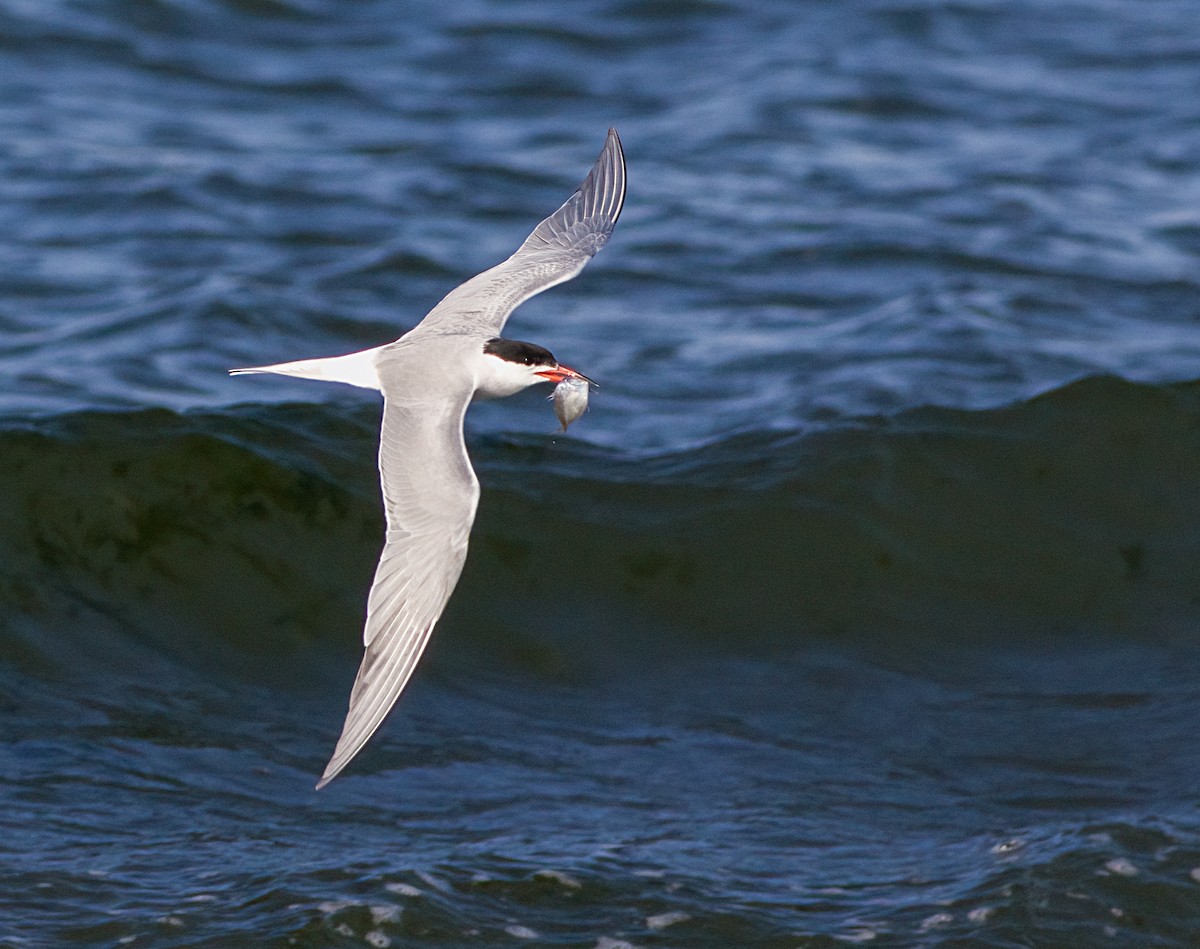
355	369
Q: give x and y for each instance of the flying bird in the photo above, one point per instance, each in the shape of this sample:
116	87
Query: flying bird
428	377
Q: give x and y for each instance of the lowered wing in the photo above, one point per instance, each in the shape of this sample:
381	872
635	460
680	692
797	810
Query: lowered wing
430	494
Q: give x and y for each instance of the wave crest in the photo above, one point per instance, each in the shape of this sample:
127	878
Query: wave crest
226	537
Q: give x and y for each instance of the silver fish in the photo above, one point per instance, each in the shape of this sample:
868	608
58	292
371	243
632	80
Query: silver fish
570	400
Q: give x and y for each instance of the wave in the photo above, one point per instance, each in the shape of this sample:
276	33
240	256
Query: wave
220	538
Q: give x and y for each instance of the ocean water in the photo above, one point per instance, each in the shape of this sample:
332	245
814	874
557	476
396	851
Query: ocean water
862	607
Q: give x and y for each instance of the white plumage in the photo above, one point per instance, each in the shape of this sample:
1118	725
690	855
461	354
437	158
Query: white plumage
428	377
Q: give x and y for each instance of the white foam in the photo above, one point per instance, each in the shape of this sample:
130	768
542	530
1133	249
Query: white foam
559	877
385	914
663	920
936	921
1121	867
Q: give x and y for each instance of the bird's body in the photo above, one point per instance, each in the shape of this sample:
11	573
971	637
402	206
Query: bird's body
428	377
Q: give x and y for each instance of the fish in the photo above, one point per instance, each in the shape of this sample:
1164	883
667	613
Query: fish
570	399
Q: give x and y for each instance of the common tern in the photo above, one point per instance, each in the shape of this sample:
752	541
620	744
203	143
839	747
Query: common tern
428	377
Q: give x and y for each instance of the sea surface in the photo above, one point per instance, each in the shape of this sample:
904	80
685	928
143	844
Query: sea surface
861	609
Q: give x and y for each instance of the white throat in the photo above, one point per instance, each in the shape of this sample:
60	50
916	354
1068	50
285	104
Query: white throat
498	378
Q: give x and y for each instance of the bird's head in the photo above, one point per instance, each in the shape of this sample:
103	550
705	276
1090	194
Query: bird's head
512	365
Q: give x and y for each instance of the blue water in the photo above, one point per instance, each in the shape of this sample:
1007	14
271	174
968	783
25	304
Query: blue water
860	609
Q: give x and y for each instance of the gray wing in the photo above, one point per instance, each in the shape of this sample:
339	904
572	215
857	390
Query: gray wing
557	250
430	493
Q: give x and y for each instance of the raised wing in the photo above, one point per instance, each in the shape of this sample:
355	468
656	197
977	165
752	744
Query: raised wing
557	250
430	493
